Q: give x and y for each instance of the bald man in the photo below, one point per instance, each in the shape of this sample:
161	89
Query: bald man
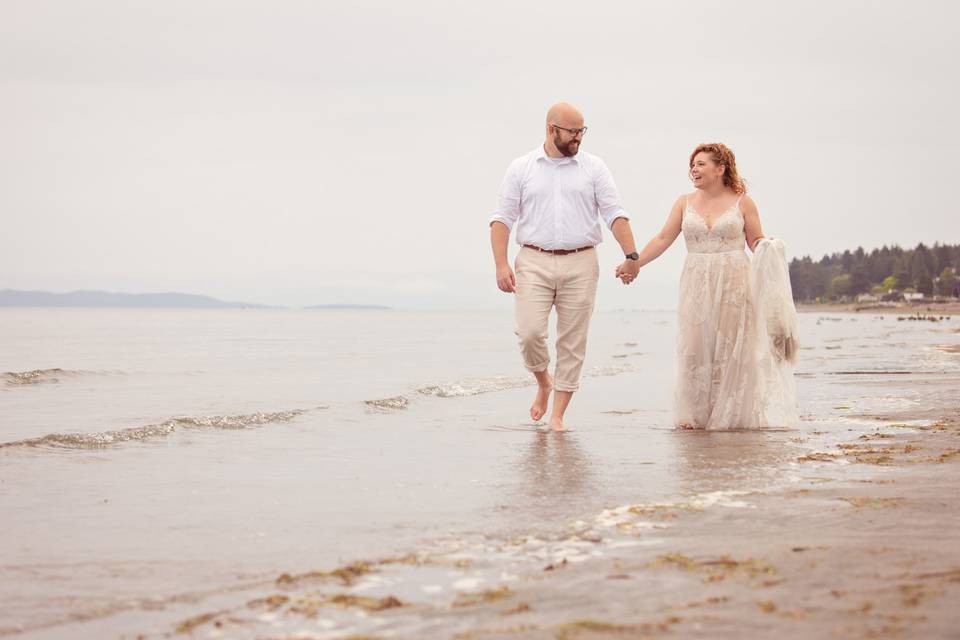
556	197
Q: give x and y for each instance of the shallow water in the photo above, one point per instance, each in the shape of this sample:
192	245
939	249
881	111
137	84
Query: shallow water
154	462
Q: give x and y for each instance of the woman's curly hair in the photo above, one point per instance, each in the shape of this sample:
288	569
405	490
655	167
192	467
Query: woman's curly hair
722	155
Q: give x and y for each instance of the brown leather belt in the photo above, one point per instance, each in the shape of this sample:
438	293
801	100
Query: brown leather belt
557	252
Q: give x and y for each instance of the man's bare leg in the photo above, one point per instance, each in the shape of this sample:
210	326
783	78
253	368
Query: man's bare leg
560	401
544	386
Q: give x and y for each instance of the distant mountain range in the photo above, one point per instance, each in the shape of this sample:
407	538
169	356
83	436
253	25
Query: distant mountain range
13	298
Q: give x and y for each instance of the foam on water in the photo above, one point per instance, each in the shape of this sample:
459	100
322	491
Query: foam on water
476	386
389	404
609	370
99	440
36	376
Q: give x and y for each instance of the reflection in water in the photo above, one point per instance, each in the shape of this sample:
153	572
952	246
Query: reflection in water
554	465
556	477
728	460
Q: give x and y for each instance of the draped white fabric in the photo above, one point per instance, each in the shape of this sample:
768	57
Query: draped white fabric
737	337
779	340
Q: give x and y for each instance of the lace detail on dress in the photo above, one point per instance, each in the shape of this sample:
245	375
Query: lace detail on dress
726	234
718	367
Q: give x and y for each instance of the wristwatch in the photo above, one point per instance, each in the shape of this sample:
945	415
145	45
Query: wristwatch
633	256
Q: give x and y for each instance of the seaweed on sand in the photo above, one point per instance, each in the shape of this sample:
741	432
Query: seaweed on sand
867	502
482	597
590	627
716	569
347	574
188	625
308	606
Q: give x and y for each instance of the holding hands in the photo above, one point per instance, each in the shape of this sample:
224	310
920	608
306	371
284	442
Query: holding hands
627	271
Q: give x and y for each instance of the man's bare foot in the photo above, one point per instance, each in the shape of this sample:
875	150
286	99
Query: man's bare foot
539	407
686	426
561	399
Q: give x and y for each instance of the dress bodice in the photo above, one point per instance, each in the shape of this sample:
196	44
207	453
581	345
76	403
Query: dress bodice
727	233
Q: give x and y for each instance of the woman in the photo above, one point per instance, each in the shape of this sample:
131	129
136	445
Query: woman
721	381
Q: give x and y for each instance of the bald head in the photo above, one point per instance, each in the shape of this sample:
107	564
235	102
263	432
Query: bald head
565	115
562	118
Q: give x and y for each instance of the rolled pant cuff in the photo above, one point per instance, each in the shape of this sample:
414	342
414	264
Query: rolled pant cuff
559	385
537	368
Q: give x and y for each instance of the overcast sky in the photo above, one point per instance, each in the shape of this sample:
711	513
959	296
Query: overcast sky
301	153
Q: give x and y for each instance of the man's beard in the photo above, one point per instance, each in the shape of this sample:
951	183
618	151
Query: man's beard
568	149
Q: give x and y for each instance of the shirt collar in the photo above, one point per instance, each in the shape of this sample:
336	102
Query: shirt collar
542	155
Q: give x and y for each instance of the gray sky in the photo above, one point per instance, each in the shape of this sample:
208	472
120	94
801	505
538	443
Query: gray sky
300	153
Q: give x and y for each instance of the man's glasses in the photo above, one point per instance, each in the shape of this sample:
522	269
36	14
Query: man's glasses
582	131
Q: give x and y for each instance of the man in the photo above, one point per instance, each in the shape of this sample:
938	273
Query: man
556	196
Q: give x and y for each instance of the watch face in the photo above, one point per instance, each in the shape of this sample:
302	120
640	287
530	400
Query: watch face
633	256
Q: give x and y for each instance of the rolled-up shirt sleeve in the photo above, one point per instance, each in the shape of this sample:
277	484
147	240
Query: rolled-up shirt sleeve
608	198
508	198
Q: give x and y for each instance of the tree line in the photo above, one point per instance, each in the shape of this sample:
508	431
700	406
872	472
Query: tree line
888	272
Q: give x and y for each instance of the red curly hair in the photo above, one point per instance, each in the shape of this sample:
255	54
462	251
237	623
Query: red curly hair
722	155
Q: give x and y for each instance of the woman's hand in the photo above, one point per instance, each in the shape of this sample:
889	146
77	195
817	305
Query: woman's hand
627	271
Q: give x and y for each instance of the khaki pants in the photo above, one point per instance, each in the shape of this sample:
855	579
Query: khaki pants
569	282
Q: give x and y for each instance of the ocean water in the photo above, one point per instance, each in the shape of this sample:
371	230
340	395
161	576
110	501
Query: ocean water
154	462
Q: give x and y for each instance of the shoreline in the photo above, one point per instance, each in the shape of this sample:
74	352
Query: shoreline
901	309
843	526
859	541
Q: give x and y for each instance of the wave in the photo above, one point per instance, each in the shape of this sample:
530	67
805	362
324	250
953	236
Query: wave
47	376
476	386
388	404
105	439
36	376
635	515
610	370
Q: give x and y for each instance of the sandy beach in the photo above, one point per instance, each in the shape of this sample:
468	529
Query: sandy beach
293	497
864	544
387	320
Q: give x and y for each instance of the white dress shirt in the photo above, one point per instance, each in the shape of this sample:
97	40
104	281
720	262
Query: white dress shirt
554	202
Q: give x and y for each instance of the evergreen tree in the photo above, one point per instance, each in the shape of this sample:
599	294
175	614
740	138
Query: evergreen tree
882	265
859	283
920	270
847	261
854	272
901	275
943	257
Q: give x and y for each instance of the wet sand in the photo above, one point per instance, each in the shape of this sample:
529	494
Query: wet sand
464	523
861	540
864	542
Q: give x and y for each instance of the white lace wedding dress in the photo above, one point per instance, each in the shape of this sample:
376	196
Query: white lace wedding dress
730	372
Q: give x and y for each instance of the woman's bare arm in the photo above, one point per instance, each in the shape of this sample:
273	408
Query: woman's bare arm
751	221
662	241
